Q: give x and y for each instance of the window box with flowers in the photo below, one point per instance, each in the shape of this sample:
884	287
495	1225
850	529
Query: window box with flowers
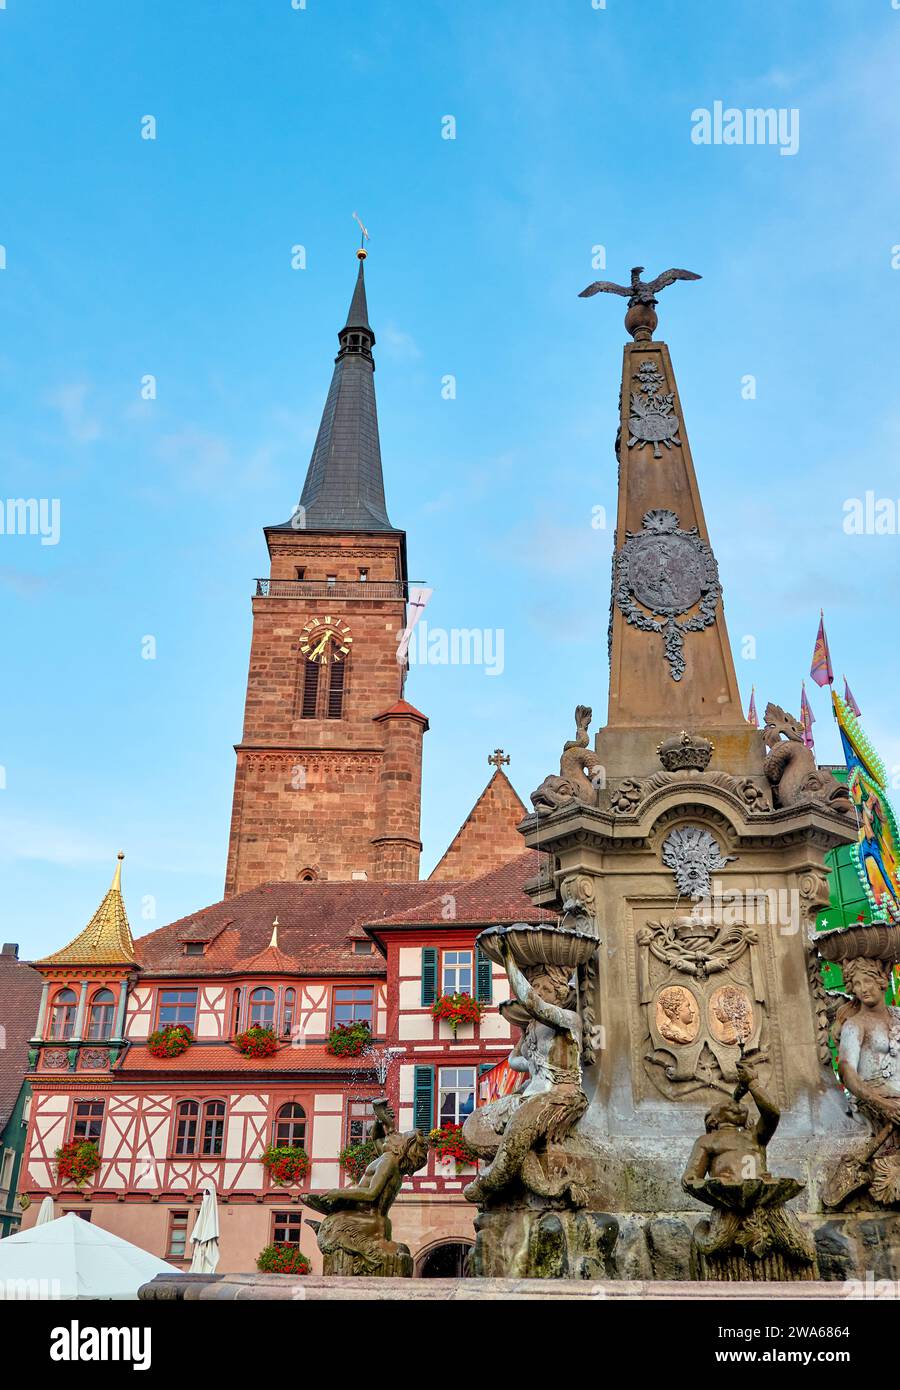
349	1039
282	1259
77	1161
456	1009
287	1165
257	1041
448	1142
355	1158
170	1041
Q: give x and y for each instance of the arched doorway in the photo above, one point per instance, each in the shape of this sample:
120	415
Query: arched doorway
445	1261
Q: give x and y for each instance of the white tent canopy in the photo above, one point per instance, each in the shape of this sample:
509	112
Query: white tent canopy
71	1258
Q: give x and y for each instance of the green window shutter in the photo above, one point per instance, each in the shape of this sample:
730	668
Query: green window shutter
423	1099
429	974
484	989
485	1066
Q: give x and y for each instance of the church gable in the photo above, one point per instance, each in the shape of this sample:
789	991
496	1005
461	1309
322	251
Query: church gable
487	838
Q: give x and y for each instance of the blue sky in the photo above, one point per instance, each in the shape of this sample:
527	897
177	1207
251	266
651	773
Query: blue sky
127	256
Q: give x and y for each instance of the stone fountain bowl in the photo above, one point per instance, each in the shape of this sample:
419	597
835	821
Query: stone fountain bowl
539	943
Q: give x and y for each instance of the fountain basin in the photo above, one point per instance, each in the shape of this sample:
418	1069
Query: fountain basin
539	943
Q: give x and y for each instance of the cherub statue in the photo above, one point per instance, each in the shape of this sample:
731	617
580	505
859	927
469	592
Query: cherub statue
751	1234
356	1237
732	1149
552	1101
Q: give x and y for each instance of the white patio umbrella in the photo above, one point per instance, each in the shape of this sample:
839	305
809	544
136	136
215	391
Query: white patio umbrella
47	1212
205	1235
71	1258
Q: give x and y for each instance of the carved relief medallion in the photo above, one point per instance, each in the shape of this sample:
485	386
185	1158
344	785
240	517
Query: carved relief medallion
700	992
677	1014
731	1015
665	571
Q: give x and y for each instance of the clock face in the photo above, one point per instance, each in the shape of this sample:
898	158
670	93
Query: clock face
325	640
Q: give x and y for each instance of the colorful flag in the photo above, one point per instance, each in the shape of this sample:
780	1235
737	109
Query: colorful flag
752	716
807	719
849	700
820	670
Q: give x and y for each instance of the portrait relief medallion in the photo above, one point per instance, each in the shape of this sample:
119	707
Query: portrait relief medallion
666	574
731	1018
677	1014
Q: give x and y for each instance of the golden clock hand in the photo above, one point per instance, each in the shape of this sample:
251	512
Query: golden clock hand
316	650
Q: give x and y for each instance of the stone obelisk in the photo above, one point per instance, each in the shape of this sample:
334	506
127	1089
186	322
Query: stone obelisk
699	861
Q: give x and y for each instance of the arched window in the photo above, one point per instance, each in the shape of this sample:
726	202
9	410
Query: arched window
213	1127
290	1126
262	1008
307	876
103	1006
62	1015
235	1011
287	1013
194	1134
187	1114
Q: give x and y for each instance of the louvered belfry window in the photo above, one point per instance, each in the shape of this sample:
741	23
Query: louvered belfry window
310	691
336	690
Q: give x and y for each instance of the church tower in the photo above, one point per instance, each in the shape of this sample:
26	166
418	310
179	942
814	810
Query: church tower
329	767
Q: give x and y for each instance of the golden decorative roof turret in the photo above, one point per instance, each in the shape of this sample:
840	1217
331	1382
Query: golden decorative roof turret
106	940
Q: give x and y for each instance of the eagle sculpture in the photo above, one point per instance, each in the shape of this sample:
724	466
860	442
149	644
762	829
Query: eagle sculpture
640	291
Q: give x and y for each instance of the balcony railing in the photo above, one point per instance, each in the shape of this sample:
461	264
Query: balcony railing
340	589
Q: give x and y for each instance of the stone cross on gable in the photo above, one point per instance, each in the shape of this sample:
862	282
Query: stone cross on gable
498	758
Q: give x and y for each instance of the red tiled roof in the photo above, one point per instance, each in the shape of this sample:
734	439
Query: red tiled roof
222	1057
315	925
270	961
404	707
20	996
493	897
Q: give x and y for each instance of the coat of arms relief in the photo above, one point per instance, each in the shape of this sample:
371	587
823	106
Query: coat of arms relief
702	1002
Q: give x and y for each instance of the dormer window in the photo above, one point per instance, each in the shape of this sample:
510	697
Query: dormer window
194	948
362	948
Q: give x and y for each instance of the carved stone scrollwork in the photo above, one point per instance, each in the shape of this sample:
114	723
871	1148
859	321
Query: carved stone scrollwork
581	888
55	1059
814	894
694	980
627	796
95	1059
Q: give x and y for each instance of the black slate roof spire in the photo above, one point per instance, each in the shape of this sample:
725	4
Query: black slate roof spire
344	488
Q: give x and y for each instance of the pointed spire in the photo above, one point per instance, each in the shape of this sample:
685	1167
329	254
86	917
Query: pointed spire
273	944
344	488
358	316
107	939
